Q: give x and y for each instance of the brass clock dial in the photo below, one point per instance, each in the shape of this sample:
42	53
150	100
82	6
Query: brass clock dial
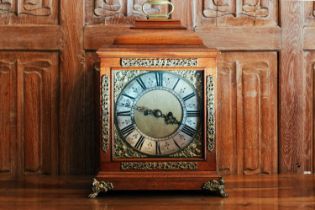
158	113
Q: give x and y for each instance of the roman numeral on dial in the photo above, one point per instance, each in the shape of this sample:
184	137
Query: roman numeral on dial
176	83
159	78
189	96
140	143
124	114
193	113
189	131
177	145
158	148
128	96
141	83
128	130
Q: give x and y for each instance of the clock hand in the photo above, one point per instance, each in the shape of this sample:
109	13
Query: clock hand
169	118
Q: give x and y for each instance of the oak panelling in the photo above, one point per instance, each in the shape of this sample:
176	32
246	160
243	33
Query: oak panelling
309	43
309	147
211	13
184	12
247	115
309	13
73	138
7	117
28	12
91	115
32	143
242	38
226	123
293	89
30	37
40	86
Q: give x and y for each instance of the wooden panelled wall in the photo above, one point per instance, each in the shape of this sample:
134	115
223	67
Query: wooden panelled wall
48	121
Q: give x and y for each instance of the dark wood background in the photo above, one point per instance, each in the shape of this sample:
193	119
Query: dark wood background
48	121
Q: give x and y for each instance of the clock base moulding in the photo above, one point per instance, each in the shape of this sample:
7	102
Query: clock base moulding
127	181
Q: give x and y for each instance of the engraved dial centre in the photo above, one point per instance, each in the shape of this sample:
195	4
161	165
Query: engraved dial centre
156	106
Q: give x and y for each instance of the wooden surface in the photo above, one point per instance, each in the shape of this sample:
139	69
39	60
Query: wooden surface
269	43
250	192
296	140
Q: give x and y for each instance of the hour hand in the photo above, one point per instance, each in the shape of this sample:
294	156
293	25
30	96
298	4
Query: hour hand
171	119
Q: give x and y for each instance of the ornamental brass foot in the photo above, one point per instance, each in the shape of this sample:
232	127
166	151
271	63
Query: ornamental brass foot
100	186
215	186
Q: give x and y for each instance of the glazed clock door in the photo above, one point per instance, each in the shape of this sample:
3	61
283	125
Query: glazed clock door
158	114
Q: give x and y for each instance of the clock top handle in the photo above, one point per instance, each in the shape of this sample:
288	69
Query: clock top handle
158	2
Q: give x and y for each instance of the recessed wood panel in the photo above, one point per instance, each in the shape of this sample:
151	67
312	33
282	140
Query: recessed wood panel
309	144
28	11
211	13
32	121
247	124
33	145
7	116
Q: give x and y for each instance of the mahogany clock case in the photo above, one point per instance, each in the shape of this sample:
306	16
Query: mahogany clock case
121	167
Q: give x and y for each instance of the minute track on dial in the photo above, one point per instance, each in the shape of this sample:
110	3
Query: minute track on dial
162	116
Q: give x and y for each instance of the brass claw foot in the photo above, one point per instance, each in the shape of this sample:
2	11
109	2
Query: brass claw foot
215	186
100	186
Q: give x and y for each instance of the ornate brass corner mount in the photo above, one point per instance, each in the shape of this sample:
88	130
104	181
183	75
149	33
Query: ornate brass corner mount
100	186
216	186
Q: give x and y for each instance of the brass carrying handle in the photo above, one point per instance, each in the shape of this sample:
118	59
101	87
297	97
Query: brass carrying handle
158	2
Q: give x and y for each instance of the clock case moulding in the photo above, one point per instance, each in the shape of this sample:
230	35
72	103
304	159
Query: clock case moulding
165	41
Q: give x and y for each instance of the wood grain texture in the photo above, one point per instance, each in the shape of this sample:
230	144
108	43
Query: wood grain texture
184	12
247	130
309	43
31	125
246	193
7	116
33	37
91	114
73	137
221	38
293	86
309	59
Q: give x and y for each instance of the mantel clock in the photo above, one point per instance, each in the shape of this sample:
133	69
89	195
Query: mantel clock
158	111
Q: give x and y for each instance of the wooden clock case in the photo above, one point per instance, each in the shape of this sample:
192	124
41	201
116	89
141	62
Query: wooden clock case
164	41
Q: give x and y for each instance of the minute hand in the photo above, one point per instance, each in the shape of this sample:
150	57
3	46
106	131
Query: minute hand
169	119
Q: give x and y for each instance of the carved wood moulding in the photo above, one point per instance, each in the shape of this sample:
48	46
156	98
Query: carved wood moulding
117	12
236	13
247	115
28	12
27	7
5	6
309	12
